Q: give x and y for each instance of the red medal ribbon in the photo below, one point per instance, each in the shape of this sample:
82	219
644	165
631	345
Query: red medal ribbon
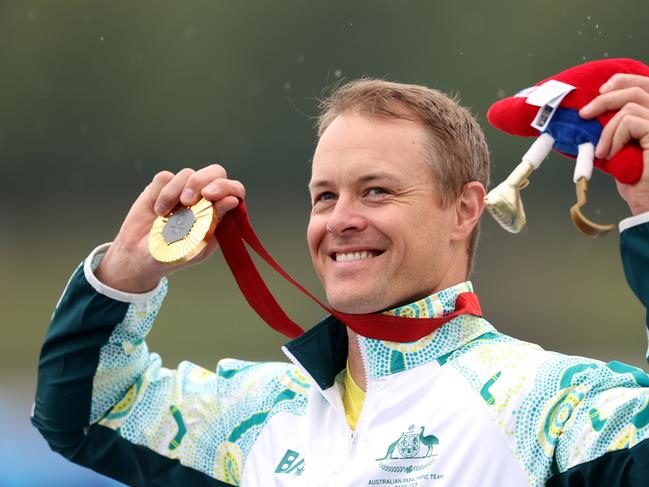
235	229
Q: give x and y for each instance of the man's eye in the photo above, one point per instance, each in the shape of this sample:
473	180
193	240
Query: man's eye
326	196
377	191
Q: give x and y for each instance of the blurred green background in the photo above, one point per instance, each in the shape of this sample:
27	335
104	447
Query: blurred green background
96	97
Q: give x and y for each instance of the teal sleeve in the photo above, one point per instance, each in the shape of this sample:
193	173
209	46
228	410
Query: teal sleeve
105	402
634	248
68	361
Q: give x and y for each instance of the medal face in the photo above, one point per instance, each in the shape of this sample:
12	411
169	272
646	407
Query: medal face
181	235
178	225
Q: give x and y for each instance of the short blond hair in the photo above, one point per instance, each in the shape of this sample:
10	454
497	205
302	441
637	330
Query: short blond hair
459	152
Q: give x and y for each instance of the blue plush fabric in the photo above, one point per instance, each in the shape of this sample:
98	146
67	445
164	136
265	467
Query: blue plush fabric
569	130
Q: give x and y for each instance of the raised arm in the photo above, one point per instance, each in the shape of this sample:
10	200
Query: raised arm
105	402
630	95
605	441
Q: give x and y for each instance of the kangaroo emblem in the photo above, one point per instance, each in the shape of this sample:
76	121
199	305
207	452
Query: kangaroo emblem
393	445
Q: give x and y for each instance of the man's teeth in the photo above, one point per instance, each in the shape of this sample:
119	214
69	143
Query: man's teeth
354	256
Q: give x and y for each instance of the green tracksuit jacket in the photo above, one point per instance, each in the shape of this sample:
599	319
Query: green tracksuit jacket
463	406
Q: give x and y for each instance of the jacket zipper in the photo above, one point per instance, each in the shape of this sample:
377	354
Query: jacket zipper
361	416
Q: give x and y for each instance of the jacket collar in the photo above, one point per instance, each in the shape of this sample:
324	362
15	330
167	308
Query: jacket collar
322	351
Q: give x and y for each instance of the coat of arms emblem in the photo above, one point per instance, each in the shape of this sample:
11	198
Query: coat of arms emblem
408	445
412	452
411	445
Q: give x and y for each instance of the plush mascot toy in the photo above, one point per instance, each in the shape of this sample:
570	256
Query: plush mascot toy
549	111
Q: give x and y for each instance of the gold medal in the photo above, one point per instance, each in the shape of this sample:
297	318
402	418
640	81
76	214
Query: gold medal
183	233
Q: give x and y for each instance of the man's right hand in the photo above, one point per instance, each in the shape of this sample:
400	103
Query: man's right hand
128	266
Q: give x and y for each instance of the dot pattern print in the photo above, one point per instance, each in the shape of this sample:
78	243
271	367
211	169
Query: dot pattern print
383	357
207	420
554	411
544	403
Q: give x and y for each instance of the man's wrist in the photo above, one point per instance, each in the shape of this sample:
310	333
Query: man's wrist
92	264
637	198
112	274
639	208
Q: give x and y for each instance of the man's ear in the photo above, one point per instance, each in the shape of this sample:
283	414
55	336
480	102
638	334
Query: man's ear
468	209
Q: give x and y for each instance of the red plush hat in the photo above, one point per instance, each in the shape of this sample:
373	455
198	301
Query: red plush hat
549	110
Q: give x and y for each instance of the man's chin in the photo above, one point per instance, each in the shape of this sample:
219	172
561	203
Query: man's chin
355	304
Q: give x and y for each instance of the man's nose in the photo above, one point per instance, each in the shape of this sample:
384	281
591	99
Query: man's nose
346	217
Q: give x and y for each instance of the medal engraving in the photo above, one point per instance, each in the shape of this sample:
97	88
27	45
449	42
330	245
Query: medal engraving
178	225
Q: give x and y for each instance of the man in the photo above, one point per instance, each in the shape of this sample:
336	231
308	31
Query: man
397	187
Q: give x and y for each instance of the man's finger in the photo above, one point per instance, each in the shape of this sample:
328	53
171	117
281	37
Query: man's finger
606	138
630	127
226	204
220	188
158	182
197	181
620	81
170	195
614	101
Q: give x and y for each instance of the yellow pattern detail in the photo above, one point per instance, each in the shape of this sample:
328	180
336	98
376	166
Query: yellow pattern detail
126	402
410	347
229	461
627	437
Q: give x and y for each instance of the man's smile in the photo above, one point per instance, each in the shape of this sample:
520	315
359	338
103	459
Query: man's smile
354	255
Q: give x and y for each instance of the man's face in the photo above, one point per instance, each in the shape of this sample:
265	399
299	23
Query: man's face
378	236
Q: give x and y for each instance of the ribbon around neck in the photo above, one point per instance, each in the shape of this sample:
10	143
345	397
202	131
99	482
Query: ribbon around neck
235	230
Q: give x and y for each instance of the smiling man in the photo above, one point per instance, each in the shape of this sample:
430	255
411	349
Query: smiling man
378	222
397	188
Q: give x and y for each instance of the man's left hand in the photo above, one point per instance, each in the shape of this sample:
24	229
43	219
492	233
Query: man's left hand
629	94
